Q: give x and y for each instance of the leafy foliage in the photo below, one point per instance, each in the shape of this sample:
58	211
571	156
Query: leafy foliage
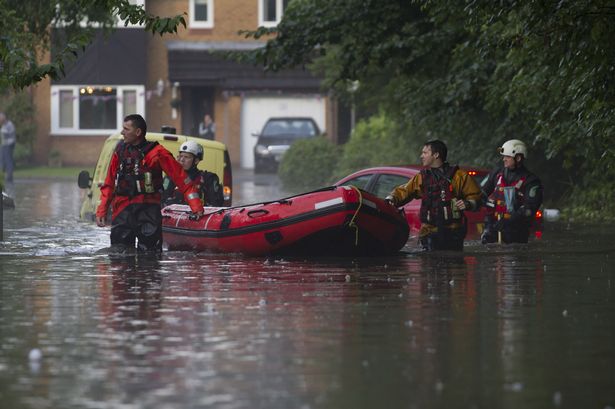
378	141
25	35
308	164
474	74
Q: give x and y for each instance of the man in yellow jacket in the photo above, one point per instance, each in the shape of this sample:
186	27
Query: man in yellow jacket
445	192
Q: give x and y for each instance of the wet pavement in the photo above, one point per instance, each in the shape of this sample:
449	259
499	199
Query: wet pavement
496	326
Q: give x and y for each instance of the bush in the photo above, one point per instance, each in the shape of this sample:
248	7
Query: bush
378	141
308	164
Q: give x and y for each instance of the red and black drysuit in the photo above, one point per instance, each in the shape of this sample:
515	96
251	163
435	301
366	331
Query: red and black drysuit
513	217
132	189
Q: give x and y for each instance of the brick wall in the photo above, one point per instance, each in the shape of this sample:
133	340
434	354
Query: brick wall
229	17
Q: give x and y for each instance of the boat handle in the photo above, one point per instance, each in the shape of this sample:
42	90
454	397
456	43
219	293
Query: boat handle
259	212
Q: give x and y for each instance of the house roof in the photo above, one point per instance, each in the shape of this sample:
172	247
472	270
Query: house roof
98	63
205	63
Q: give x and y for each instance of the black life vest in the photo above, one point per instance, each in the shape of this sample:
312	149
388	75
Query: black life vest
207	184
514	189
134	177
437	196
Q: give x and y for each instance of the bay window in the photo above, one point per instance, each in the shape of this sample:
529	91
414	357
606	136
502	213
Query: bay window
93	109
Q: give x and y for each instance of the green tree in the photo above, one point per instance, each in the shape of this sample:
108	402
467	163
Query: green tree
475	74
378	141
26	32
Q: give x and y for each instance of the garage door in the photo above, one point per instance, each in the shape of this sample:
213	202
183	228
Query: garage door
255	111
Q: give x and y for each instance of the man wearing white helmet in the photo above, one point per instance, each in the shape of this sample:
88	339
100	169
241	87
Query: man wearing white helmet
514	193
206	183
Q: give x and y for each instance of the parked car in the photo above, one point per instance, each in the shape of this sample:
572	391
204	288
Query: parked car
381	181
215	159
277	136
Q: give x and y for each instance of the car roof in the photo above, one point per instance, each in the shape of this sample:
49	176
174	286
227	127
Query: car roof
291	118
415	168
407	170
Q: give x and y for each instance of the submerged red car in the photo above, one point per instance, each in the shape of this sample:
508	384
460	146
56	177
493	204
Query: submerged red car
381	180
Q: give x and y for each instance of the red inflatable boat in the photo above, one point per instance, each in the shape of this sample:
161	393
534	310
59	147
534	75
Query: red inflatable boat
332	221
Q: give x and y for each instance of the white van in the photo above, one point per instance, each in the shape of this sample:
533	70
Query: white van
215	159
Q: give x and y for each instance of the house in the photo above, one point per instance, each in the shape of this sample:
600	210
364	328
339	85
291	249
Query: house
174	80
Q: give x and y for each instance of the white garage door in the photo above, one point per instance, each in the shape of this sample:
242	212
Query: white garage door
255	111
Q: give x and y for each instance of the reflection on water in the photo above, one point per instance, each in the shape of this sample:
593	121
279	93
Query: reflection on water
44	222
519	326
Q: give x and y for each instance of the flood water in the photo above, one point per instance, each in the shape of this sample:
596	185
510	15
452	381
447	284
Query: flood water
529	326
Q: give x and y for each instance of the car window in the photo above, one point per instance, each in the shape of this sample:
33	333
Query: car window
387	182
298	128
481	180
302	128
360	181
479	176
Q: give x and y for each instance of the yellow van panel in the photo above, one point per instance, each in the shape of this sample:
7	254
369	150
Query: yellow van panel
213	161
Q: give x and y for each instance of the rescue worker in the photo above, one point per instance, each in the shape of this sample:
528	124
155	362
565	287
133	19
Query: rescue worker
445	192
132	189
514	193
205	183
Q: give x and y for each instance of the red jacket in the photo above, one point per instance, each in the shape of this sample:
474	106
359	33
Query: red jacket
158	159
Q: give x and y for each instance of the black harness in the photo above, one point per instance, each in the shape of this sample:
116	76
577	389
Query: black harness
436	204
133	176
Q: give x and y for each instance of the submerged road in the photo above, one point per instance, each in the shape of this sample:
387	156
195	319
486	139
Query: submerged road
529	326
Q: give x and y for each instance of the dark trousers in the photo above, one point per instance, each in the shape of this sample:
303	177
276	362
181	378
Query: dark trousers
444	239
8	165
510	232
141	222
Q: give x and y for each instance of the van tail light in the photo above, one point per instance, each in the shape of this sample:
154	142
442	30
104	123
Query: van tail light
227	180
538	215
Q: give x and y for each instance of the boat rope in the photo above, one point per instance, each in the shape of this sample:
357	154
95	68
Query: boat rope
286	200
207	222
354	216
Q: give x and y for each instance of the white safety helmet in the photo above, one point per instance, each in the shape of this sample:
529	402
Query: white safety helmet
512	148
193	148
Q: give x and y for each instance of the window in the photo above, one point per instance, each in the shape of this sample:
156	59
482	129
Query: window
360	181
93	109
289	128
270	12
201	13
97	108
66	108
386	183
